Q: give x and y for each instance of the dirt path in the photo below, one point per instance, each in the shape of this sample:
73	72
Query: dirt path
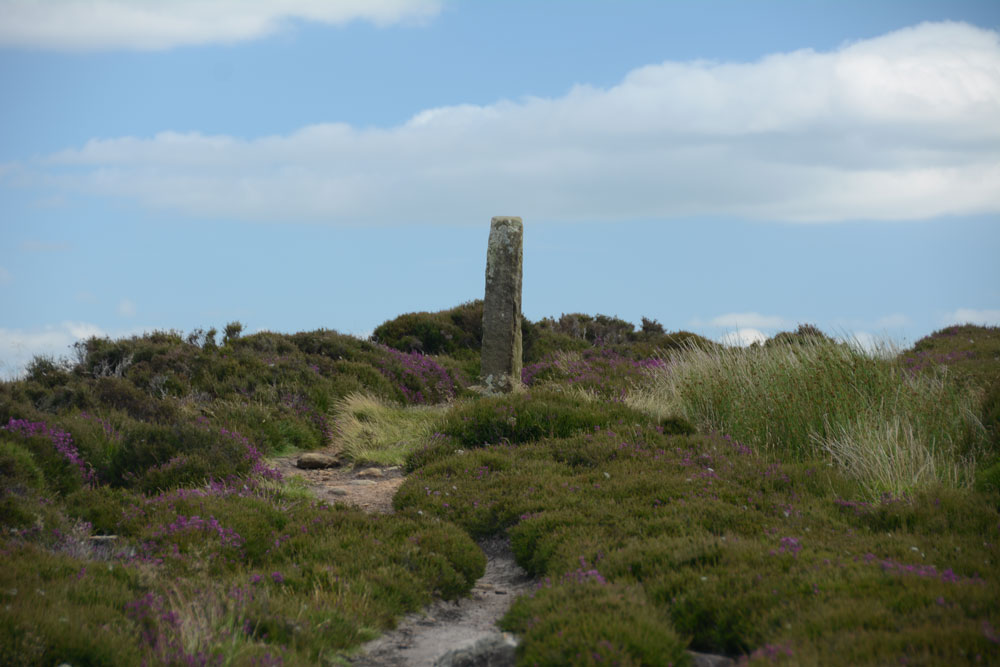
462	633
456	633
370	488
455	627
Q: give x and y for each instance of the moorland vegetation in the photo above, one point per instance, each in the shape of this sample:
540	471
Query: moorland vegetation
797	502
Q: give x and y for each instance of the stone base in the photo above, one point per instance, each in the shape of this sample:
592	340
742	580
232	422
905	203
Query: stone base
491	385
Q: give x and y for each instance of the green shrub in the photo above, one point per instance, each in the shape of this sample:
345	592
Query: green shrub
103	507
22	484
47	372
527	416
970	354
221	573
53	451
443	332
353	376
988	475
264	343
706	541
805	334
330	344
601	372
653	345
60	610
988	469
232	332
18	469
15	402
290	435
540	342
544	340
120	394
160	350
73	395
583	620
154	457
598	330
651	327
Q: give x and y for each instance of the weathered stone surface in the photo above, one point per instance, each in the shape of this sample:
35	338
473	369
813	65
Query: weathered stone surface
315	461
371	472
709	660
501	352
496	650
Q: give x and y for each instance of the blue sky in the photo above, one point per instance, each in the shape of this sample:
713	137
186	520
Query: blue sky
732	168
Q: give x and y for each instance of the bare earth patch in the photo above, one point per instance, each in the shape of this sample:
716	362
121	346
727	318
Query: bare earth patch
369	488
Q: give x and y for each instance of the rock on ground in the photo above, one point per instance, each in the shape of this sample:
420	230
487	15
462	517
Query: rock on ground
316	461
495	650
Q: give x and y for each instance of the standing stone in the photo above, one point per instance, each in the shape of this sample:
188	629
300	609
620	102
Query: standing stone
501	360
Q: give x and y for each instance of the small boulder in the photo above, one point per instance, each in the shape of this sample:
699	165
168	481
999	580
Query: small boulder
495	650
371	472
317	461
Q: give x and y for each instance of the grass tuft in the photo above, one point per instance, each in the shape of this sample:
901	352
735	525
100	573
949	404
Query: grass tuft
370	430
816	398
889	457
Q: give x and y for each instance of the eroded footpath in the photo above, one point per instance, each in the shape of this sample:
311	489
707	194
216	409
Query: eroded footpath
457	633
460	633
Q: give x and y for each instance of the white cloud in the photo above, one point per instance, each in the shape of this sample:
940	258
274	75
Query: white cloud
742	337
163	24
874	346
740	320
126	308
972	316
18	347
899	127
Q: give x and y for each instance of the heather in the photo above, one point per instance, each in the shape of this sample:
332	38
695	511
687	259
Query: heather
143	523
603	372
234	570
770	504
968	353
715	547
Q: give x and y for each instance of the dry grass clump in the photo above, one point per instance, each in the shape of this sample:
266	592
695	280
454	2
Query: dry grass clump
370	430
890	457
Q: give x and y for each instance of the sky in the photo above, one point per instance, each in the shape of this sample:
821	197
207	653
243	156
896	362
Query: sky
729	167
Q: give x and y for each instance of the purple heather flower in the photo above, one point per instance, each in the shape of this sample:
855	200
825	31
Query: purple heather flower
61	440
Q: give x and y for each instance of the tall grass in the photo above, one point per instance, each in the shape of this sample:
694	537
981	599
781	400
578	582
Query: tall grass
370	430
889	428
